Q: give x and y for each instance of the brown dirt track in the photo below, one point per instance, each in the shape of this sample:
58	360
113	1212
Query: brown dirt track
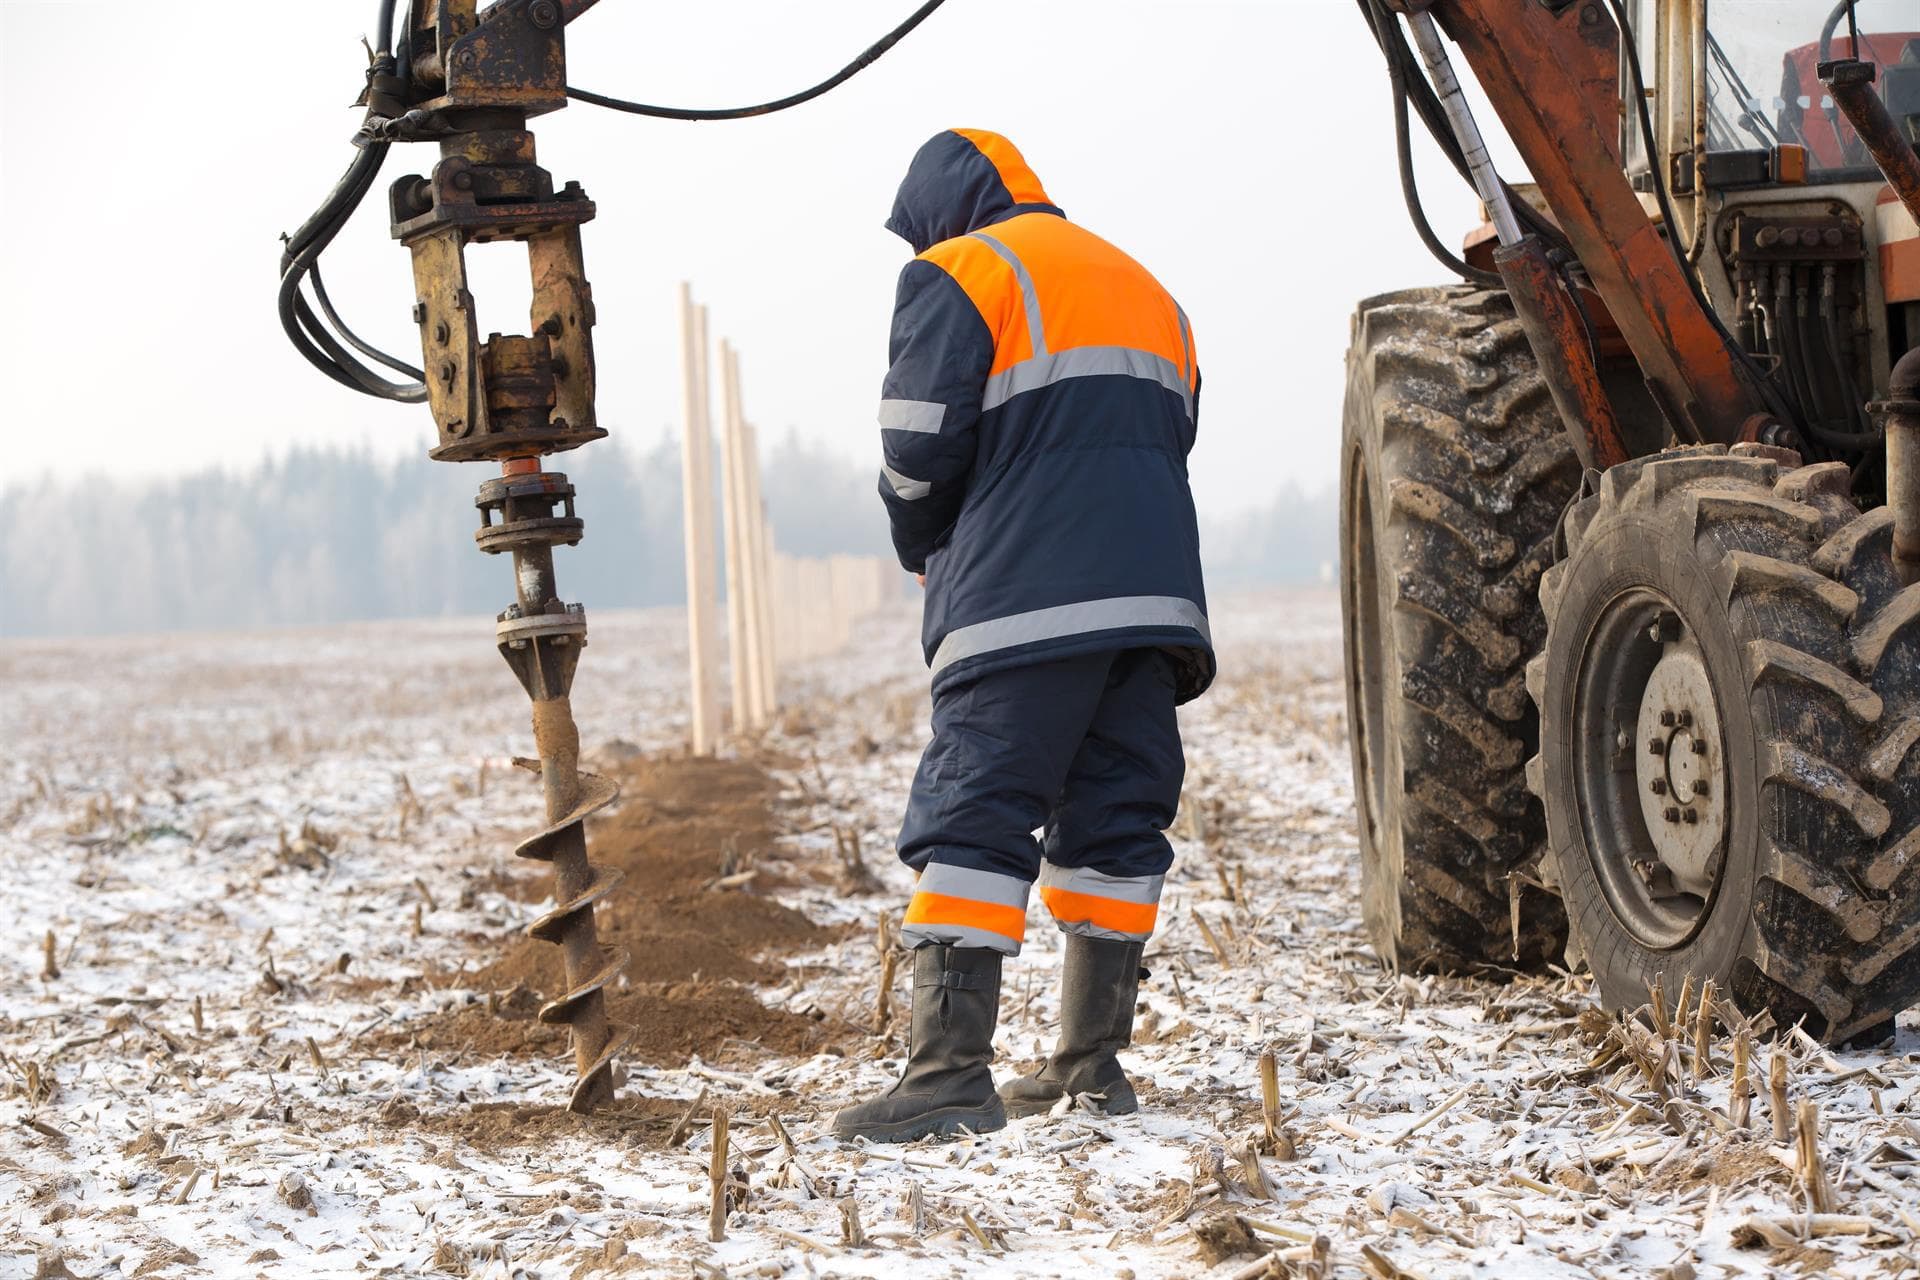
681	824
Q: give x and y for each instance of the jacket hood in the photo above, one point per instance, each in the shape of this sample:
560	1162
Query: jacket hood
960	181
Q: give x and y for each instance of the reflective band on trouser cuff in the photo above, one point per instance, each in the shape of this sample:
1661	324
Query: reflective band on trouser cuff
1036	332
905	486
924	416
1098	905
1069	620
961	907
1085	362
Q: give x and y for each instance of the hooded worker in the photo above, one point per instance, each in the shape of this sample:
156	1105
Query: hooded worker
1036	422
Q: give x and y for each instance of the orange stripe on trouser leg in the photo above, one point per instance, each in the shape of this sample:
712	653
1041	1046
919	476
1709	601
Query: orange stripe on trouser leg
1110	914
939	909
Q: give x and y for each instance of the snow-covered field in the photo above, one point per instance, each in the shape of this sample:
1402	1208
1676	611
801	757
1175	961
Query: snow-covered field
242	873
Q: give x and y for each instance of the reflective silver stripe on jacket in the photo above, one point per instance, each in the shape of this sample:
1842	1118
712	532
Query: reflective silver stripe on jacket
1036	332
905	486
1144	890
1186	351
977	886
1085	362
1069	620
923	416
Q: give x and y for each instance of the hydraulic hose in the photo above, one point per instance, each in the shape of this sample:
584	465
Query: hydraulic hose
867	58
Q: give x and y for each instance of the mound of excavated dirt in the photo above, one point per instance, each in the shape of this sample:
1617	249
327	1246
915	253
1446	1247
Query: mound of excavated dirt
685	832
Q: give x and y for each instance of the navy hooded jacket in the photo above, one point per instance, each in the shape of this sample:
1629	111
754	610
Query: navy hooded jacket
1036	422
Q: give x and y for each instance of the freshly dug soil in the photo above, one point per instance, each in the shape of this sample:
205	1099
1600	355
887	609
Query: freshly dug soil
680	825
494	1125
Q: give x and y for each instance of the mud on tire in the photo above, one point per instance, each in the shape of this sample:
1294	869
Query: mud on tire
1808	637
1454	473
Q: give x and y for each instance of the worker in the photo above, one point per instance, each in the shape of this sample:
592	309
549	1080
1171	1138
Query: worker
1036	421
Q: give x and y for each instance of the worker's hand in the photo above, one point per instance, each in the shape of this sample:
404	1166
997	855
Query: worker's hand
921	578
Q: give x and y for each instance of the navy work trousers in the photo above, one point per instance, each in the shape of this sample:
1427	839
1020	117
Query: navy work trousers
1087	748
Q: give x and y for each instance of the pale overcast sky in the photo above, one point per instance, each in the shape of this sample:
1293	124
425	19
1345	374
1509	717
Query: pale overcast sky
151	153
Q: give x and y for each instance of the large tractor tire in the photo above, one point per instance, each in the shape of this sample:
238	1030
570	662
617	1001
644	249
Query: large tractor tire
1454	473
1729	701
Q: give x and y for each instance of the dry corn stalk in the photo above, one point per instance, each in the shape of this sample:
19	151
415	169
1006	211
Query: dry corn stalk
1812	1166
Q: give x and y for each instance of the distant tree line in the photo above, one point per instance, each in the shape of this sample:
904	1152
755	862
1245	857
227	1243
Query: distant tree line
338	535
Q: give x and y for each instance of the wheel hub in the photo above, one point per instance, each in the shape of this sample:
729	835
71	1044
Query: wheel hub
1679	765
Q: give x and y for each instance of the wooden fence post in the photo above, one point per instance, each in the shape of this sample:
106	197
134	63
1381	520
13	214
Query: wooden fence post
733	495
696	478
759	541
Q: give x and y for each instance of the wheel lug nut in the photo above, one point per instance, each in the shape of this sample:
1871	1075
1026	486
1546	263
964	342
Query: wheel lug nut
1691	816
1699	786
1657	746
1658	786
1673	813
1699	746
1667	719
1686	718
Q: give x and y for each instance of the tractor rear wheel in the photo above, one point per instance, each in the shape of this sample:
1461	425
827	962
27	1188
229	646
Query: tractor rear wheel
1729	698
1454	472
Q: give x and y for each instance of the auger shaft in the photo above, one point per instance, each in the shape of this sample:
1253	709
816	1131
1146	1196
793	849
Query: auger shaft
541	639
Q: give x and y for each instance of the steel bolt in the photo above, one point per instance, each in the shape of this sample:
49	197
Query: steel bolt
463	180
468	59
1673	813
1621	741
1658	786
1686	718
1691	817
1665	627
1667	719
1699	746
1699	786
544	14
1657	746
441	333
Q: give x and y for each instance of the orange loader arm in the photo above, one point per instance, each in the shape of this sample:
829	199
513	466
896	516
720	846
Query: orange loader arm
1551	78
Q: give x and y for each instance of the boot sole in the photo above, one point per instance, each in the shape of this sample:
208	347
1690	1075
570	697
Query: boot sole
943	1123
1020	1109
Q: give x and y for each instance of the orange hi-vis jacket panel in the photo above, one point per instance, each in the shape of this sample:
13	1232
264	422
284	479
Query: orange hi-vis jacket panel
1084	293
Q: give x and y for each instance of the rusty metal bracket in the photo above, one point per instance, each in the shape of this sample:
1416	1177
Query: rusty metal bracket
511	396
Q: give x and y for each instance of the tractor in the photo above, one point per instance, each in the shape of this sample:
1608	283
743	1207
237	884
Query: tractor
1630	518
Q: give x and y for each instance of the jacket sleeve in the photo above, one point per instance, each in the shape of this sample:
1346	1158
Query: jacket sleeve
942	352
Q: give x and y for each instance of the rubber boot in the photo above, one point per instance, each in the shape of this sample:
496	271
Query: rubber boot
1098	986
956	1001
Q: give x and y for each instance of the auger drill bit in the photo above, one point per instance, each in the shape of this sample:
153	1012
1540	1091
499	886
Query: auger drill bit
541	639
515	399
